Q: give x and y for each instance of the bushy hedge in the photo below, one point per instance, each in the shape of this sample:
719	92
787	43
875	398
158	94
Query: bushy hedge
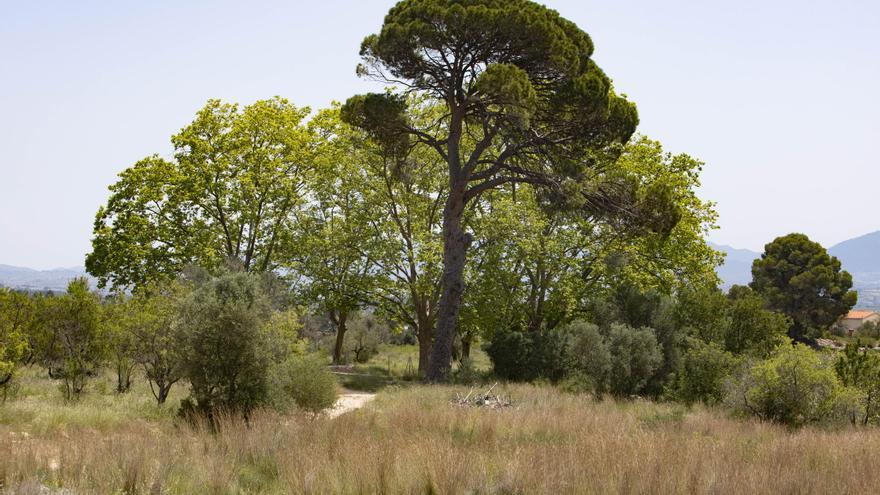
619	361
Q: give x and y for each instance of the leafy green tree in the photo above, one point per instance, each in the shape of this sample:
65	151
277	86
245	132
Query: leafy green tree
526	104
335	248
401	192
367	333
535	268
223	347
77	343
860	368
16	315
152	320
121	341
797	277
752	329
231	194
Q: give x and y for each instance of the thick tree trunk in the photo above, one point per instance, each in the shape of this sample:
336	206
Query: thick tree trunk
425	334
455	245
340	336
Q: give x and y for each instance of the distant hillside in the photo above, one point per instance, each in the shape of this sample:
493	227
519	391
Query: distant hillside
737	267
859	255
56	280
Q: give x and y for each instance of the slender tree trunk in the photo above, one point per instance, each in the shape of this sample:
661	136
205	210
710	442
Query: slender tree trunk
455	245
340	336
466	347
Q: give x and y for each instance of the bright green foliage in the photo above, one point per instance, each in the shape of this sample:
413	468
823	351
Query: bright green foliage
303	380
705	368
860	368
77	342
796	386
635	356
237	177
334	246
16	314
223	349
751	328
536	269
797	277
399	194
152	319
118	313
526	104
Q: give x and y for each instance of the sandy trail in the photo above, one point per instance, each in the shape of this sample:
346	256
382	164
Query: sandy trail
349	402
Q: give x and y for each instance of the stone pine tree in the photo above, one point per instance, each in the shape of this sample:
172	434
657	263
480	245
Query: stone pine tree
522	102
798	277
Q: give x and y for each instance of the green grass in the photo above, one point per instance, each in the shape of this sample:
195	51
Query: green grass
38	403
396	365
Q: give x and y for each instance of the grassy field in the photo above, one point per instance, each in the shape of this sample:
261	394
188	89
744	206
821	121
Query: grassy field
396	365
414	440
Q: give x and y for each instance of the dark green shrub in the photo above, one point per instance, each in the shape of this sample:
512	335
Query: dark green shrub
526	356
587	359
223	348
635	356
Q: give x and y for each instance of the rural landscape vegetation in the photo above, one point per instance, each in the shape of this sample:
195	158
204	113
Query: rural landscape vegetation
479	279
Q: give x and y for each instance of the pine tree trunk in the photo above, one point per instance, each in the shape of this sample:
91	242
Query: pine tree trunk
455	245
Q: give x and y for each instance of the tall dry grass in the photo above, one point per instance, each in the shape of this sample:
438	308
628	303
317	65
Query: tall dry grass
414	441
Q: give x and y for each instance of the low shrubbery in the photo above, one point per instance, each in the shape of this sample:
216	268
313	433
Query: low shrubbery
795	386
303	381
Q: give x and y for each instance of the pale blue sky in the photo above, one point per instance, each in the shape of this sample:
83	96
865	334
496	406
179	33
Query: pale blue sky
779	98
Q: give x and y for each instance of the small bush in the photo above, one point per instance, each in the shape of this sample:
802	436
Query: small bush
703	373
304	381
795	386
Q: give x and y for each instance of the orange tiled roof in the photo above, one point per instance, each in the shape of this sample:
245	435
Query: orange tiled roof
858	314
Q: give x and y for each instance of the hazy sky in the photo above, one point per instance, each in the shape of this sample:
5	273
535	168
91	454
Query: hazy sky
779	98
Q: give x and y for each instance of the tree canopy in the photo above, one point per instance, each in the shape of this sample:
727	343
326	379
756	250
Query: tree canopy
230	194
798	277
523	103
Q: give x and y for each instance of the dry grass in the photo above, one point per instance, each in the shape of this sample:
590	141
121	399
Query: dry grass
414	441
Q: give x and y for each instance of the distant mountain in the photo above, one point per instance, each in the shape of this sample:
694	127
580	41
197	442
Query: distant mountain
737	267
859	255
55	280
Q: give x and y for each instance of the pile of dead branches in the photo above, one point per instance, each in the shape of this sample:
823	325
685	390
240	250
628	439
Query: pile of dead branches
485	399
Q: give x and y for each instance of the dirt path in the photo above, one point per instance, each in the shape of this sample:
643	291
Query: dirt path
349	402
